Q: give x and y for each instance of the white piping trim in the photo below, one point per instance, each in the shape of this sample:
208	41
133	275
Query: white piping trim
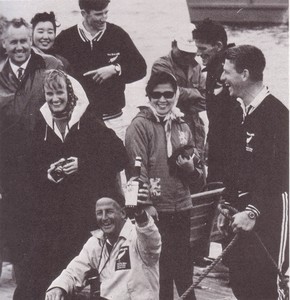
283	239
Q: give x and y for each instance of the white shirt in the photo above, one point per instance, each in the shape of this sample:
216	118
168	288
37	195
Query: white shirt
258	99
15	68
255	103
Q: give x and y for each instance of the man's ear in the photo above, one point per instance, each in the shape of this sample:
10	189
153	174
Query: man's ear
219	45
3	44
123	212
245	74
83	12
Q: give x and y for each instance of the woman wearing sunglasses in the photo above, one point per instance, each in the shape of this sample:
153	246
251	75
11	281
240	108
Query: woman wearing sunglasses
164	141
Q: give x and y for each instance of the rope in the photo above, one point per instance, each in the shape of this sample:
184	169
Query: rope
284	281
221	208
209	268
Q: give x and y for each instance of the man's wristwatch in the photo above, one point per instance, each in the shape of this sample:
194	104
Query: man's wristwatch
252	215
117	69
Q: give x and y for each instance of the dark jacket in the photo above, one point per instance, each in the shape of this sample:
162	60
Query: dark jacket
263	155
114	47
19	107
101	155
260	172
223	112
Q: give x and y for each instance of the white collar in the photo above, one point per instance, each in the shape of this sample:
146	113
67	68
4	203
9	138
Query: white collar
80	108
258	99
86	35
256	102
15	67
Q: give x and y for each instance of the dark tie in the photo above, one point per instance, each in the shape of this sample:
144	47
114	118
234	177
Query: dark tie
20	73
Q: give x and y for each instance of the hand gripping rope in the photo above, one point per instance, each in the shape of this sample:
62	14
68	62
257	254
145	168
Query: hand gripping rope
221	208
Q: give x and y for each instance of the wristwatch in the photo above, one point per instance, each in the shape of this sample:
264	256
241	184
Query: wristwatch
117	69
252	215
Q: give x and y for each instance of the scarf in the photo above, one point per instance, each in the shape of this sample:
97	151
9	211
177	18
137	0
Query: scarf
173	114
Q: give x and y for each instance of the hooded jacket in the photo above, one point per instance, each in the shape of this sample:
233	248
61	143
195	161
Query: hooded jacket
101	155
145	137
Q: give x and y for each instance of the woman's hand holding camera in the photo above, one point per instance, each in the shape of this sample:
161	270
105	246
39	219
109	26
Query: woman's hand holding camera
71	166
63	167
186	164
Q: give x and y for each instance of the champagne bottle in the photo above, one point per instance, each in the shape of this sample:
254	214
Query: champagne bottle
137	169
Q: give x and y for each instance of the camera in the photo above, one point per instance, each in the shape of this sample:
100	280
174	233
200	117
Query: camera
58	173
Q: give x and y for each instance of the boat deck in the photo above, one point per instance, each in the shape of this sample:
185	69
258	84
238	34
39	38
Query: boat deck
214	287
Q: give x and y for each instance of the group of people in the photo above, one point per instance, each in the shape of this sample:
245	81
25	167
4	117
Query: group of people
64	142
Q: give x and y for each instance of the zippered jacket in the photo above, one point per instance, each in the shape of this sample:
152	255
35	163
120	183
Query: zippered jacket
129	272
145	137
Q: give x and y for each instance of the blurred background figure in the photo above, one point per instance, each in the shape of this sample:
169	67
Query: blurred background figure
181	63
3	56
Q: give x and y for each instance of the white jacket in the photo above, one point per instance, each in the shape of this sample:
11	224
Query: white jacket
131	271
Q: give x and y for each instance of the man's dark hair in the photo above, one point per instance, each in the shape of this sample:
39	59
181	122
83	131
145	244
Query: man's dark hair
16	23
247	57
97	5
44	17
210	32
159	78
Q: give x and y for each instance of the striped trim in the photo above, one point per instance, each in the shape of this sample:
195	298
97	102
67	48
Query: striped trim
252	208
83	35
283	240
99	36
107	117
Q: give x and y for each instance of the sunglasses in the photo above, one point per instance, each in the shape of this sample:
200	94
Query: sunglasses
158	95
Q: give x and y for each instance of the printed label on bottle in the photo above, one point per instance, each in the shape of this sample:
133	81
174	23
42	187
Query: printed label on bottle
131	193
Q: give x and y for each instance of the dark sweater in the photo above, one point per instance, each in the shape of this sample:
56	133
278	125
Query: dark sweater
262	167
222	111
114	47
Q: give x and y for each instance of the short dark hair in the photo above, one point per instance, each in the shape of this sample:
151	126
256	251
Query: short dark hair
44	17
247	57
16	23
210	32
97	5
159	78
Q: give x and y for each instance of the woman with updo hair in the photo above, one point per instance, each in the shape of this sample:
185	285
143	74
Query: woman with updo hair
43	35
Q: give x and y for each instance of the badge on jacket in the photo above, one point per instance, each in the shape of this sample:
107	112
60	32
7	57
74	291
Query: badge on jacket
249	138
123	259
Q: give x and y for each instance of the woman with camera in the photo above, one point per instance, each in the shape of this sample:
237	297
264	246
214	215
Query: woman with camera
164	142
75	160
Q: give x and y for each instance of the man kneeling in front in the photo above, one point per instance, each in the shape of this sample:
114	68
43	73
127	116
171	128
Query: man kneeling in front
125	256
